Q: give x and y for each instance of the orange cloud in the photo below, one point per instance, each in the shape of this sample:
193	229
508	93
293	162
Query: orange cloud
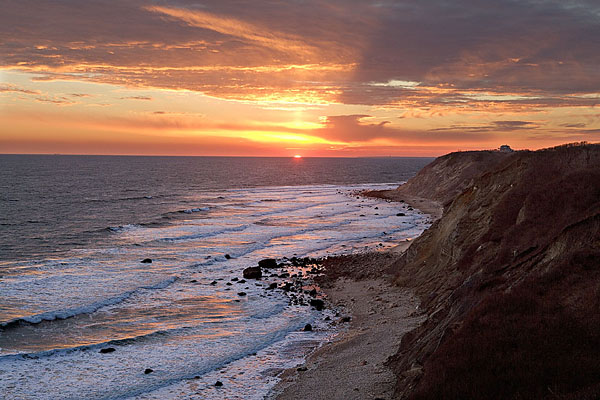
261	35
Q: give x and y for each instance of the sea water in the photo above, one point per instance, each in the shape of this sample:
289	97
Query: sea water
74	230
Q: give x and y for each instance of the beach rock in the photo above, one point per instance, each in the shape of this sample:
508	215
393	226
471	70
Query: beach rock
252	273
272	286
227	256
241	293
400	215
307	328
218	383
229	283
234	279
301	369
317	303
345	319
313	292
107	350
213	283
148	371
268	263
146	261
193	281
242	281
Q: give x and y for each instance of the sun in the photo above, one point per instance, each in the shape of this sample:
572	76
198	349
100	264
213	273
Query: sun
297	156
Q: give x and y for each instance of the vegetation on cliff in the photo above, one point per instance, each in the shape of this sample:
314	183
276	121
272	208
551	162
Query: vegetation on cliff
509	278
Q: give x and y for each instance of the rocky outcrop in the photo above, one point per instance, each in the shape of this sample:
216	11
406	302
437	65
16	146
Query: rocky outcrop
509	278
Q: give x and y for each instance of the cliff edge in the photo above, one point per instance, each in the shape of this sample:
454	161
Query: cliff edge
508	277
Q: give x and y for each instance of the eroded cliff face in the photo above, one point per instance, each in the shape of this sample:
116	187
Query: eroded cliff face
447	176
509	278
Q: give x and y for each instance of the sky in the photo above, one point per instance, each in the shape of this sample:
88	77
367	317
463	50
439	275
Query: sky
334	78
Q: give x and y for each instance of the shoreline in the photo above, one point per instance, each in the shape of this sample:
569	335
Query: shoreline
426	206
381	313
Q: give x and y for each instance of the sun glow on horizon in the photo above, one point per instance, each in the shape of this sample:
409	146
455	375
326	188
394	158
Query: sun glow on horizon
297	156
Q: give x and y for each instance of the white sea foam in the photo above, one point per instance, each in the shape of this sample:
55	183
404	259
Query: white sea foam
195	325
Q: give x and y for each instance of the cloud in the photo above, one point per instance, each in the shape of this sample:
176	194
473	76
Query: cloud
514	125
146	98
433	55
231	26
357	129
57	100
351	128
578	125
15	89
495	126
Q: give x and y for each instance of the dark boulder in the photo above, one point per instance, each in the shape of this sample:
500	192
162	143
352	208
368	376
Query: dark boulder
307	328
400	215
268	263
317	303
272	286
148	371
227	256
218	383
241	293
146	261
252	273
107	350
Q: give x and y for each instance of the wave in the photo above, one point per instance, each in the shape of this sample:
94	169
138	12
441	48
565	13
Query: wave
194	210
123	228
86	309
130	198
95	346
204	234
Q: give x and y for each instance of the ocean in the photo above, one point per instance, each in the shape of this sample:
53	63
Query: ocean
73	233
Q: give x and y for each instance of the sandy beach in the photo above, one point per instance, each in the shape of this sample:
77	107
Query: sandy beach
427	206
354	366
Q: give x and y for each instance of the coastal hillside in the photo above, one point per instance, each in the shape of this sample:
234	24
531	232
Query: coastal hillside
509	278
449	175
439	182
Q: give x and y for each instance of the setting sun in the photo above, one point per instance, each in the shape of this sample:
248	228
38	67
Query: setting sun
297	156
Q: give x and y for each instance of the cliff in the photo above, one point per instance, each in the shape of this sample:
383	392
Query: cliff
447	176
509	278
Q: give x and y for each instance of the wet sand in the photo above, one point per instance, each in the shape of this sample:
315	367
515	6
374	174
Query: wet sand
427	206
353	367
